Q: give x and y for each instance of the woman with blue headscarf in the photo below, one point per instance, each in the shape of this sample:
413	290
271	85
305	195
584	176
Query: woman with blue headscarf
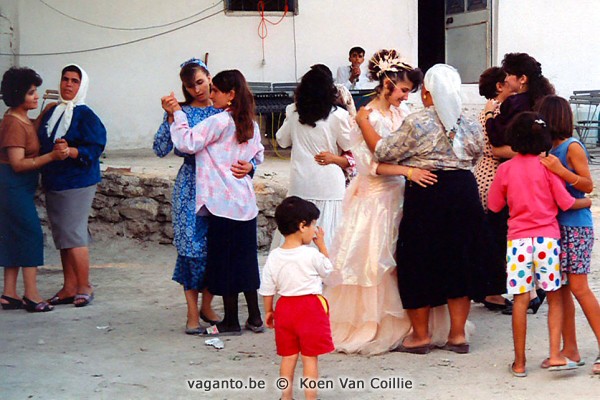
70	185
190	229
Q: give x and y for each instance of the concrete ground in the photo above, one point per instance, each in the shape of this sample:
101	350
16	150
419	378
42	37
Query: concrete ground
129	344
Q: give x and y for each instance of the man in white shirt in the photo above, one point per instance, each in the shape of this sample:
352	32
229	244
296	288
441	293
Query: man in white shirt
354	76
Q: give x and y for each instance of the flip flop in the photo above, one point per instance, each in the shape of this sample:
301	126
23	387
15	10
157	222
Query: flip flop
214	331
546	363
425	349
254	328
193	331
462	348
565	367
515	373
13	304
56	300
596	366
87	299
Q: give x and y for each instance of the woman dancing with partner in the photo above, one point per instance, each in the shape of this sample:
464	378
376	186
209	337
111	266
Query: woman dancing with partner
314	124
190	229
366	311
218	142
70	184
438	250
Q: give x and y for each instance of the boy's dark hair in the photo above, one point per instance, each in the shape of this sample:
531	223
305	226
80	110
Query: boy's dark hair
528	133
488	80
557	113
16	82
292	211
356	49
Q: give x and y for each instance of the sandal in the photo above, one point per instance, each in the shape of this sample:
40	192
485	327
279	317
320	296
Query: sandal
87	299
256	329
204	318
596	366
546	363
13	304
193	331
515	373
56	300
461	348
32	306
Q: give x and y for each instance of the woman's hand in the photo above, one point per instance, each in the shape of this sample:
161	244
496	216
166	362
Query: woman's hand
491	105
170	104
61	150
326	158
422	177
241	168
362	116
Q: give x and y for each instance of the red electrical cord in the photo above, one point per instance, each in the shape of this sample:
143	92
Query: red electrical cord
262	26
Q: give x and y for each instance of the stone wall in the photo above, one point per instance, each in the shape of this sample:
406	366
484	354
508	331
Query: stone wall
139	206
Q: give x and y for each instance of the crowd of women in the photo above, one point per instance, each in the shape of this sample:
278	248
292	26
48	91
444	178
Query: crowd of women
436	216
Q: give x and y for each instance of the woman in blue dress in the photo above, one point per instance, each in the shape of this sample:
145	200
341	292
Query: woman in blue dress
190	229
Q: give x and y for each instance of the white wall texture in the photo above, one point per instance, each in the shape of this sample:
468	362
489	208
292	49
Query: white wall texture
127	82
563	35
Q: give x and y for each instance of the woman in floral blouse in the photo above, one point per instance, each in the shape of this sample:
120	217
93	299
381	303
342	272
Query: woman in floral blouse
189	229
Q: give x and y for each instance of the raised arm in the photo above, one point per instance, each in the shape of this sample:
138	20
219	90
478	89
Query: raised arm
369	133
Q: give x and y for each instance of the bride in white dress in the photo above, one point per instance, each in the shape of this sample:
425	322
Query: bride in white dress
365	310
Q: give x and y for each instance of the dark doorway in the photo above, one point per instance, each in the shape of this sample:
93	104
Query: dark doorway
432	39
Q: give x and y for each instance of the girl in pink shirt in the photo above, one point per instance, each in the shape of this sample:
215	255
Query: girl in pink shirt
534	195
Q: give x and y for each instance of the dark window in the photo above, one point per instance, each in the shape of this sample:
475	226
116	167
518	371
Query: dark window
455	6
252	5
475	5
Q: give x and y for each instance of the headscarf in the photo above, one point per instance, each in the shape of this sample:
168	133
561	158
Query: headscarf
443	82
65	107
194	60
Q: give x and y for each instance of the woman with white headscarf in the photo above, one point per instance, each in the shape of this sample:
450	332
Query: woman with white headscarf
70	185
439	246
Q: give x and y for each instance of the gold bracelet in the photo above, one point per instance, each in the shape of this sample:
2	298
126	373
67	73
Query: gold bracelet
576	181
409	174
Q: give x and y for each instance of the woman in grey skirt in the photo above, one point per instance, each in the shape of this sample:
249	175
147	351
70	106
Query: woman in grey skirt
70	185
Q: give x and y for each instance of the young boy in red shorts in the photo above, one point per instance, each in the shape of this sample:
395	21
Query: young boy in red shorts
295	272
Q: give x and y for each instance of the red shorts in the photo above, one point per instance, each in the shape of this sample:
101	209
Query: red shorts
302	326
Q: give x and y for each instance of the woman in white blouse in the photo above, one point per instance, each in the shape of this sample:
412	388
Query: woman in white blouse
313	124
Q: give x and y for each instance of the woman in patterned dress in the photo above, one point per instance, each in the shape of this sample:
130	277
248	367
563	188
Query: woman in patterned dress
493	87
189	229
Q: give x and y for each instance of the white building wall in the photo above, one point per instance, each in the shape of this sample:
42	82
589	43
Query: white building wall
563	35
126	82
